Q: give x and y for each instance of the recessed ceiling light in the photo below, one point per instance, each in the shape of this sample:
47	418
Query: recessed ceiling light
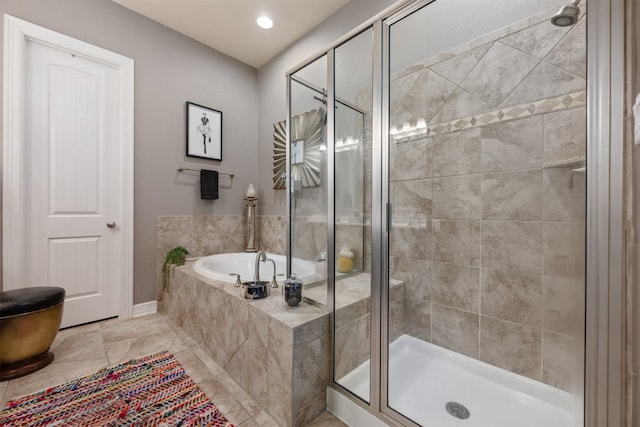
265	22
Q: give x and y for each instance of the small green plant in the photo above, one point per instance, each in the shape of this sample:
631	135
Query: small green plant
174	258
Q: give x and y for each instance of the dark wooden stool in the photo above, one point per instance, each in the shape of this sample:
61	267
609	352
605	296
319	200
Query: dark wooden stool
29	322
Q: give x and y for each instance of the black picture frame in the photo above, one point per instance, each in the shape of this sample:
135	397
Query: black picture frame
204	132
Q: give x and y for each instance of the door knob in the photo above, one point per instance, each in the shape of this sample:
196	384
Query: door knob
111	224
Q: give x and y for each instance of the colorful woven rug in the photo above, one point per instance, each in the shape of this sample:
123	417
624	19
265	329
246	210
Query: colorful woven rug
151	391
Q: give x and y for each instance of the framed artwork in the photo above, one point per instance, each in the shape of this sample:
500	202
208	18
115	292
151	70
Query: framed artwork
306	144
204	132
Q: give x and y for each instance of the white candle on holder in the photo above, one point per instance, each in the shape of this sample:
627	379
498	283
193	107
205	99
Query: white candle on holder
251	192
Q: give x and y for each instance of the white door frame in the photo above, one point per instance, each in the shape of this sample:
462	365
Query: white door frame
16	34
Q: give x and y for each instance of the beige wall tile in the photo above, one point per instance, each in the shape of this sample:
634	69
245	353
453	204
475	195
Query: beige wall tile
280	353
545	81
273	234
412	160
455	330
396	318
512	145
351	312
310	331
457	242
512	195
427	95
311	369
255	348
456	286
563	243
396	290
561	312
183	295
456	197
498	73
456	153
457	68
412	241
232	311
417	321
398	114
214	348
400	86
279	403
416	299
352	345
565	135
512	246
511	295
197	317
412	199
511	346
559	367
309	237
416	275
460	104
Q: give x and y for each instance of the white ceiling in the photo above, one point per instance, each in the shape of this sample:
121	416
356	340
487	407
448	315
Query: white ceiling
229	26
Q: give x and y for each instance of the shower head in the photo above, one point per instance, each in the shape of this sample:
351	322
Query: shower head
567	16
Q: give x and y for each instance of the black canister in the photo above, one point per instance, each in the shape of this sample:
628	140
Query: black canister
292	290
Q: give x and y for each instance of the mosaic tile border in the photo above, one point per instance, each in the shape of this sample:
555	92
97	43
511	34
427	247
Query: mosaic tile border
558	103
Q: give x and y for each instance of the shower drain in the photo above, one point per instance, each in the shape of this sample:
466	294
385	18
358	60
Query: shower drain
458	410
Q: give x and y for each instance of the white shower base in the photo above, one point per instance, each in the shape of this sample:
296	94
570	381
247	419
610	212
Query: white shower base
425	377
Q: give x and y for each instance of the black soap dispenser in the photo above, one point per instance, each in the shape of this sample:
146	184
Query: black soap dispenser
292	290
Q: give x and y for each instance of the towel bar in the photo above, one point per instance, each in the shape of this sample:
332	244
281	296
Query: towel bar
181	169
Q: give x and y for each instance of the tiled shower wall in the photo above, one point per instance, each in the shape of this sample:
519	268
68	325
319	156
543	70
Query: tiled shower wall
214	234
488	231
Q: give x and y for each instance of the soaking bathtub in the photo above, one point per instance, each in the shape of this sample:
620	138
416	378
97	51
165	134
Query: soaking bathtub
222	266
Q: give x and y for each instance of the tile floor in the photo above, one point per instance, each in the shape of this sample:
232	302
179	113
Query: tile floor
85	349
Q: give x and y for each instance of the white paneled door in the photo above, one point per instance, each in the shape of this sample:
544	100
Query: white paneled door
72	182
72	176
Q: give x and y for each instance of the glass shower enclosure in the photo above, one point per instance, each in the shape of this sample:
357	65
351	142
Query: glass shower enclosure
445	213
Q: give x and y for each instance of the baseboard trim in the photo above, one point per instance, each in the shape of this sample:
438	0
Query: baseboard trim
145	308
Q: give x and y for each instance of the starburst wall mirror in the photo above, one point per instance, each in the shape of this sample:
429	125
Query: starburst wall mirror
306	154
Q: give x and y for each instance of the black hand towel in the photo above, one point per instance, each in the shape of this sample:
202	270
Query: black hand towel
208	184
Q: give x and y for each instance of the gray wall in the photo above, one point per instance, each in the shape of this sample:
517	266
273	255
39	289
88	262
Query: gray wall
272	88
170	69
